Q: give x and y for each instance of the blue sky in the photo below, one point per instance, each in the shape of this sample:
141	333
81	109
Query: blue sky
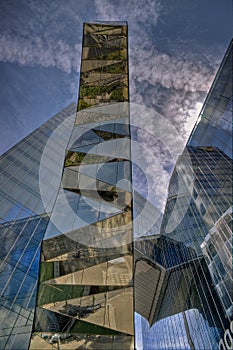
175	48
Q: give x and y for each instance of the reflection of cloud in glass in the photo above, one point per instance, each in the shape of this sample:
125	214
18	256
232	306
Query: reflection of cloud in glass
148	149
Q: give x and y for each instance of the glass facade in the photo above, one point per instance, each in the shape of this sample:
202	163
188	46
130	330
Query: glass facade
85	295
23	225
190	300
73	272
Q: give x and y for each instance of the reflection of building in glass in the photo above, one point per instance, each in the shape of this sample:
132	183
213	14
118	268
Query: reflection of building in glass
199	194
23	224
71	188
217	251
66	223
178	290
191	299
85	294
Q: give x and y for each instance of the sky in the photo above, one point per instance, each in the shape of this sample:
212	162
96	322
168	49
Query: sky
175	48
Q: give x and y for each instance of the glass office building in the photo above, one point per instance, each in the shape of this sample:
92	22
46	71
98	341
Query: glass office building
24	221
71	275
190	301
85	294
66	220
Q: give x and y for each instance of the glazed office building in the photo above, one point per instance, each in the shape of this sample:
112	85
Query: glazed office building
23	224
190	301
66	216
71	276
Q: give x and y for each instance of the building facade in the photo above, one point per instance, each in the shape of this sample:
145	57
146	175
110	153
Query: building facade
67	262
72	274
191	300
85	296
23	224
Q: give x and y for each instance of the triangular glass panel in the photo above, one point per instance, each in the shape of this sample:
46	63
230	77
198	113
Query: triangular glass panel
88	137
112	127
107	135
77	158
111	173
114	231
93	309
115	272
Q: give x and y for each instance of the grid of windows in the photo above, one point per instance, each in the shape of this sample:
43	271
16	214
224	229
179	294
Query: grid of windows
84	298
191	299
23	220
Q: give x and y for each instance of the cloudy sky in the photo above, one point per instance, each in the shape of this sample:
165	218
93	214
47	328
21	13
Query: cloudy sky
175	48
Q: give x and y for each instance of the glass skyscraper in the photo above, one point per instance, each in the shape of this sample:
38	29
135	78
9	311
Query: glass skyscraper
72	274
85	295
67	259
23	224
191	261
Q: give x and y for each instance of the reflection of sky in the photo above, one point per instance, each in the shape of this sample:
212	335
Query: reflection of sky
138	332
170	333
17	211
174	51
80	210
21	254
174	48
139	180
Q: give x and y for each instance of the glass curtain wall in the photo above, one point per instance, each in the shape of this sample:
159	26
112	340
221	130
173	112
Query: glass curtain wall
23	221
190	301
85	295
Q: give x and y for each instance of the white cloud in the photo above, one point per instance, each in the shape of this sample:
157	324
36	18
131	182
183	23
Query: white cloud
40	51
160	145
175	85
135	12
179	72
42	33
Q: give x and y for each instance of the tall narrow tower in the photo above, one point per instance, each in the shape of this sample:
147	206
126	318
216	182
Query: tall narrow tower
85	295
